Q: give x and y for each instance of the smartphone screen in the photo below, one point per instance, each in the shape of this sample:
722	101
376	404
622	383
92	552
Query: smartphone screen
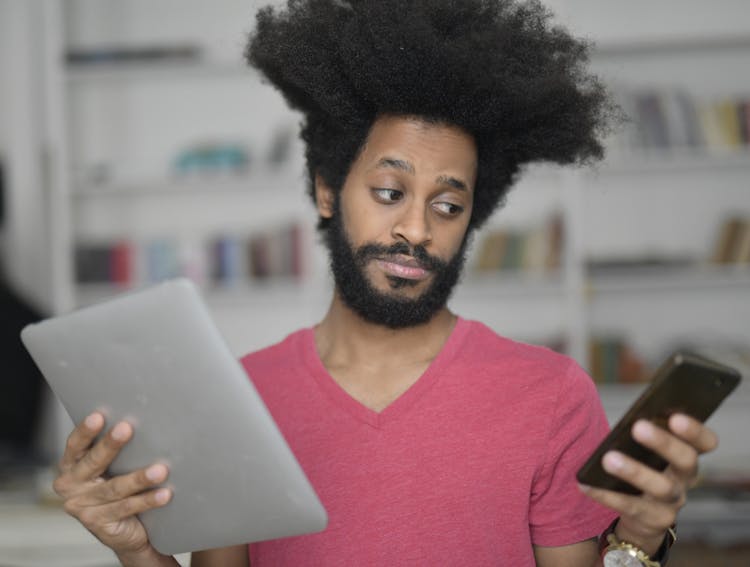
685	383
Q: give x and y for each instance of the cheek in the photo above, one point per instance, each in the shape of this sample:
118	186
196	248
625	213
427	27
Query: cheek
454	238
362	224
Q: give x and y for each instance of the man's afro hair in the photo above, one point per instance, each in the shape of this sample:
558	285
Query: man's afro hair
496	68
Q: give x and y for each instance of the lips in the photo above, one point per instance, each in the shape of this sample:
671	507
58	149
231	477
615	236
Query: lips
402	266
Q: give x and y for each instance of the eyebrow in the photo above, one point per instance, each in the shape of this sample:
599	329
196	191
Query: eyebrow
407	167
386	162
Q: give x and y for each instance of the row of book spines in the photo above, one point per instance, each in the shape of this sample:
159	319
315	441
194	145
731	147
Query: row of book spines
537	248
222	260
612	360
669	119
733	242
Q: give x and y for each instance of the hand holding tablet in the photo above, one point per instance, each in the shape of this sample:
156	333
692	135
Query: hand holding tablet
107	507
155	360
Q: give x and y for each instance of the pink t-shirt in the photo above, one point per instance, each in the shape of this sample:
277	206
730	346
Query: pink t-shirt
470	466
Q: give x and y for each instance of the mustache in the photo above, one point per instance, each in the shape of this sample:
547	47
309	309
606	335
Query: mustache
371	250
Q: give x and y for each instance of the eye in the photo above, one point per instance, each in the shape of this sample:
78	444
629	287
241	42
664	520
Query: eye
448	209
387	195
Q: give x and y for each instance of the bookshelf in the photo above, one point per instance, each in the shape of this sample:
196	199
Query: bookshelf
123	190
181	162
638	229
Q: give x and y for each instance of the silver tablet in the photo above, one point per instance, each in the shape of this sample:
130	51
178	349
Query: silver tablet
156	359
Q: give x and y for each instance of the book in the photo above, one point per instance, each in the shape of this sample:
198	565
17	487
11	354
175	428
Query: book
132	54
742	251
104	263
612	360
491	251
728	122
535	248
728	242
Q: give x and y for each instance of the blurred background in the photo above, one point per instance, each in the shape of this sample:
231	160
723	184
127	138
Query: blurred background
135	146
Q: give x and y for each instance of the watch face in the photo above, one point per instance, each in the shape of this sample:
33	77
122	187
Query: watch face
621	558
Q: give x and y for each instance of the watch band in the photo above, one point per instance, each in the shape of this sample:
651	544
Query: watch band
609	541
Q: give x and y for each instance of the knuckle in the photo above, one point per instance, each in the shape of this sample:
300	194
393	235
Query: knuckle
127	507
110	491
87	516
631	508
668	518
665	491
93	459
71	507
71	444
688	461
60	485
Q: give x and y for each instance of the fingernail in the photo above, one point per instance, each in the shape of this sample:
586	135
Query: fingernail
162	495
156	473
643	429
584	488
680	422
120	432
613	462
93	421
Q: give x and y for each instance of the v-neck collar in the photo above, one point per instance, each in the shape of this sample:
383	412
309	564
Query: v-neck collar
400	405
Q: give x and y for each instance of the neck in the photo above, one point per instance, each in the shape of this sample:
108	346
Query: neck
344	338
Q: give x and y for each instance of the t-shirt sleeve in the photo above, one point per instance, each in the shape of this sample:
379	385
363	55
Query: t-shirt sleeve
559	513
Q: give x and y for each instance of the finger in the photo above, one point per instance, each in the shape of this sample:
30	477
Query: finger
650	514
96	461
92	516
125	486
136	504
80	439
681	456
657	485
702	438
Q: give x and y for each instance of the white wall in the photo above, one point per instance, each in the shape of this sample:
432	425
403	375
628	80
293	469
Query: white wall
648	20
26	253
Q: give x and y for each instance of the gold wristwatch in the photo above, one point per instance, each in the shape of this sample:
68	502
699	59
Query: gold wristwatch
616	553
623	554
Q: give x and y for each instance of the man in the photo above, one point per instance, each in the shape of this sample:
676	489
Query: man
429	438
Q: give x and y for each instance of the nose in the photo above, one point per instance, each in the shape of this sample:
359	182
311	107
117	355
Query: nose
412	225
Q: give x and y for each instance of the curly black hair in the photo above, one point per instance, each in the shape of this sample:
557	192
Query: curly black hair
498	69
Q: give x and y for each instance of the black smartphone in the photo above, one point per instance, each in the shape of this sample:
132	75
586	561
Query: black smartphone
686	383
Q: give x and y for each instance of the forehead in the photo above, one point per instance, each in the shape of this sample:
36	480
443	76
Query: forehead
427	146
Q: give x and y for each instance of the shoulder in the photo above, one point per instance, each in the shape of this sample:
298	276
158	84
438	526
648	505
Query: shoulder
487	347
283	355
533	369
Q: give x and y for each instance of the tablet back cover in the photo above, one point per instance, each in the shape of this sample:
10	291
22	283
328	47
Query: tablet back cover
155	358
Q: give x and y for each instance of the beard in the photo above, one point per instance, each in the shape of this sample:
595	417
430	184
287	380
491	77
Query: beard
389	309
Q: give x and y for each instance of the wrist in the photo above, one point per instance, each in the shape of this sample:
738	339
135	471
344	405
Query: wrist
146	557
650	544
618	547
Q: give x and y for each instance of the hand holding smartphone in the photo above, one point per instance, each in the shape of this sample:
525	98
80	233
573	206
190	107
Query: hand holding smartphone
686	383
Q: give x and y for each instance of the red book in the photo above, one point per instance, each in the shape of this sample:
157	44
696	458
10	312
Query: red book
121	264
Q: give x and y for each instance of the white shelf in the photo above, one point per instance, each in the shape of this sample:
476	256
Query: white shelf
282	179
276	290
672	160
683	45
513	283
125	72
657	279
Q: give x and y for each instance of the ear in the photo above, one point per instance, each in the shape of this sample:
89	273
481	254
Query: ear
324	197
